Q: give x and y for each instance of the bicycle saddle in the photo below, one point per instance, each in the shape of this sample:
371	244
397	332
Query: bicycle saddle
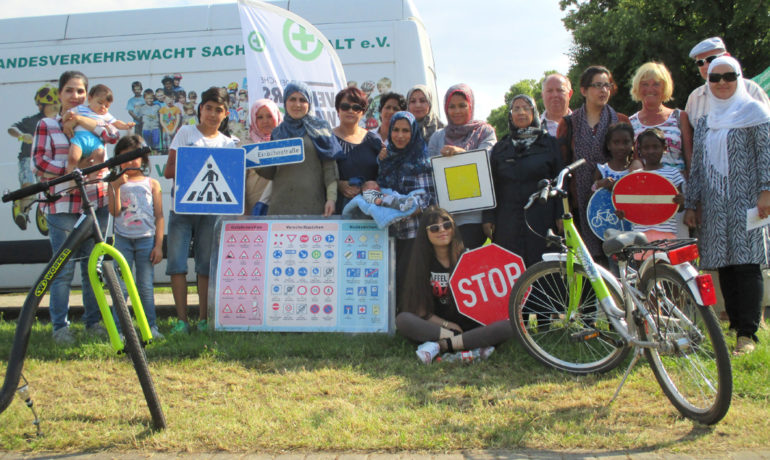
616	240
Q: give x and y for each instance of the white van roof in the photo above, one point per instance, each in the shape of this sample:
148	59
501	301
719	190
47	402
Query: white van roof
190	19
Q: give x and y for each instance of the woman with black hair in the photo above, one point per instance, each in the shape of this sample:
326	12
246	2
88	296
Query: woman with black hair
428	312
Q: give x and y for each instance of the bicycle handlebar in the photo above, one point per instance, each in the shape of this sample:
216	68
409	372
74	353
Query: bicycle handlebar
546	189
44	185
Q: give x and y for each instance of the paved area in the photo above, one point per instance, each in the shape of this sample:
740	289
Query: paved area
466	455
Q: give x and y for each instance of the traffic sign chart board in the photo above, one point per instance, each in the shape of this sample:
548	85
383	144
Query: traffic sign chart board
209	181
645	197
482	282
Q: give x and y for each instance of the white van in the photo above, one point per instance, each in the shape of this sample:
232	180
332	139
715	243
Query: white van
383	47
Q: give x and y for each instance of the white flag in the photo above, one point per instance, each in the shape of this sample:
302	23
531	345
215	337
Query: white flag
280	47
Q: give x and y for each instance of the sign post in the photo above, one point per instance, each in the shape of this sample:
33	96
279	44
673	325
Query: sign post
482	282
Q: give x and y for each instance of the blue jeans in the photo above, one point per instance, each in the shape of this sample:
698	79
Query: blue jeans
186	228
59	226
138	251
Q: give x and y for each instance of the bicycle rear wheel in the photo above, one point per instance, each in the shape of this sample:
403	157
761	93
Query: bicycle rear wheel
580	342
132	346
692	365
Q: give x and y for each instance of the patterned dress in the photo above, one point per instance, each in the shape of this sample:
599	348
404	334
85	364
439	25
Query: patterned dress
724	239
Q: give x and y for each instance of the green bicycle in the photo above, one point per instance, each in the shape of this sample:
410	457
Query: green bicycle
86	228
576	316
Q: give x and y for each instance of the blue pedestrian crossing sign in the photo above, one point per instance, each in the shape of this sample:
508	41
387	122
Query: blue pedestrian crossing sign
210	180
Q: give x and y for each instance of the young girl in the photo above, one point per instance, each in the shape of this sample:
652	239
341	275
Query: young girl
211	131
135	202
652	145
428	311
619	149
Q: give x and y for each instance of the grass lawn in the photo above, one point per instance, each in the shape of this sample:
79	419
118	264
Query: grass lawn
289	392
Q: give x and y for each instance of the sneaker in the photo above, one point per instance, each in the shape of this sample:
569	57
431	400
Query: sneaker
156	333
203	326
485	352
181	327
96	330
18	216
63	336
744	346
427	351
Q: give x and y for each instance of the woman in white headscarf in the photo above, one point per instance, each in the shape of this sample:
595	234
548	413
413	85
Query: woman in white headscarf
730	175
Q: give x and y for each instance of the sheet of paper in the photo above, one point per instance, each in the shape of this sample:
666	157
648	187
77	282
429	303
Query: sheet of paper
753	221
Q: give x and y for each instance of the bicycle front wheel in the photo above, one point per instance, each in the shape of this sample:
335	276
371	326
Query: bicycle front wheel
132	346
692	364
578	340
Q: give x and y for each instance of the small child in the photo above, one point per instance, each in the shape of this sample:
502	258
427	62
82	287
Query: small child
150	115
618	148
135	202
370	190
188	114
85	143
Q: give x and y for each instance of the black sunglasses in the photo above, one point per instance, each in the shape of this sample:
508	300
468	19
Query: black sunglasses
356	108
702	62
727	76
435	228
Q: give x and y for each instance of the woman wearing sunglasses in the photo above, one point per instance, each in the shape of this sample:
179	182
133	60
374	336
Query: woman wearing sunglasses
581	135
731	175
360	146
428	313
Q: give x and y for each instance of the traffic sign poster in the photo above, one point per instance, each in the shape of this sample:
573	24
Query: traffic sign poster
273	153
210	180
310	276
464	181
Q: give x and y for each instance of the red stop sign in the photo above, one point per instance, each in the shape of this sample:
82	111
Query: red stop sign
645	197
482	282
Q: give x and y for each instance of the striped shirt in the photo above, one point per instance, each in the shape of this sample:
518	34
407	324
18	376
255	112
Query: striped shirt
670	225
698	103
50	149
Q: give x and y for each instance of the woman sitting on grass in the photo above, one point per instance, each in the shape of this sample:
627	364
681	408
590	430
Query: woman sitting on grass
428	311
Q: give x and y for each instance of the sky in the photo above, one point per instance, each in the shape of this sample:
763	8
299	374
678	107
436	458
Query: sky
488	44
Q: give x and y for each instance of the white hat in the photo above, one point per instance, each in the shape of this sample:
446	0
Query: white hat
709	44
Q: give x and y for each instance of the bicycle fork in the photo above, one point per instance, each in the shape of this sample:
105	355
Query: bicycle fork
101	249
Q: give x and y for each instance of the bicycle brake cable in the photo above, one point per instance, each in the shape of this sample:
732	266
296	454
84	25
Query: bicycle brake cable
23	391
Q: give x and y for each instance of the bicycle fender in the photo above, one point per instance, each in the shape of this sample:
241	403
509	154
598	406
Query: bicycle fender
685	270
606	274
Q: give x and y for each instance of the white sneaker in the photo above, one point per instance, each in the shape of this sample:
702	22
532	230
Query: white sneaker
427	351
156	333
96	330
63	336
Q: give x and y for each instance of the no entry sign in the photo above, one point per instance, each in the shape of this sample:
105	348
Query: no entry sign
482	281
646	198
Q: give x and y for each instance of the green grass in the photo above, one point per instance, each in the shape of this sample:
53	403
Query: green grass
279	392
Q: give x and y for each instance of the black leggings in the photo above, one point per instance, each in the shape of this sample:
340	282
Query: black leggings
742	289
420	330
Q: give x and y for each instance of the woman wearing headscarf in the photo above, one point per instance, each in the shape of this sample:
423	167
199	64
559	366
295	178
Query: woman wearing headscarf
581	135
462	134
406	168
264	116
519	161
731	175
309	187
360	146
419	102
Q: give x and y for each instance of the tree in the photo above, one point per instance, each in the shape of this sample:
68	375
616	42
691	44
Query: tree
498	118
623	34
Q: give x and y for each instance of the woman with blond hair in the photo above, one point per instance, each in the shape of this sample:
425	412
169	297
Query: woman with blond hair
652	86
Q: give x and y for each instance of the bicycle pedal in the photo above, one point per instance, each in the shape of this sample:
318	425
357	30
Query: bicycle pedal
584	335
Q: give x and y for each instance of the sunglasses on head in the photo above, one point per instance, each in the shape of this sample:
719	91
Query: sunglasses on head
435	228
727	76
356	107
702	62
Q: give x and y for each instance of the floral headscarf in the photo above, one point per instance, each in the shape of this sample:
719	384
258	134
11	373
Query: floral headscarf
256	136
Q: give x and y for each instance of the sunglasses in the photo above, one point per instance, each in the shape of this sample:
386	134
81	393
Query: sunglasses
435	228
702	62
356	108
727	76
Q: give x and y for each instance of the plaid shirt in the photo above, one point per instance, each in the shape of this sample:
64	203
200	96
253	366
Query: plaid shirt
407	228
50	150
